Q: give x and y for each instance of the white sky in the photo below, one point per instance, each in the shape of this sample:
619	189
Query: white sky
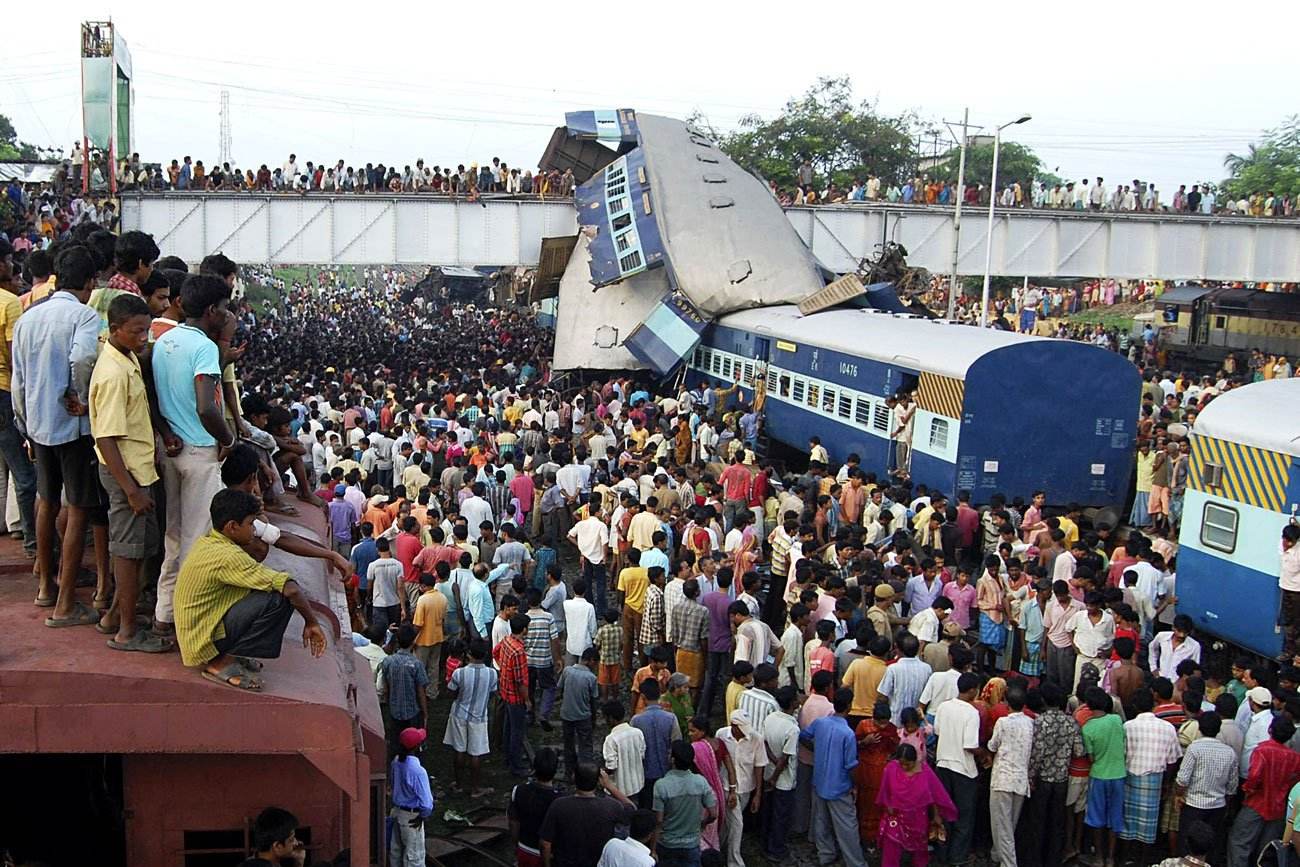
1123	90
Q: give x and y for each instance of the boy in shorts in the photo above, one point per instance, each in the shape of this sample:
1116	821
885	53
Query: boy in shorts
467	724
1103	738
609	641
124	444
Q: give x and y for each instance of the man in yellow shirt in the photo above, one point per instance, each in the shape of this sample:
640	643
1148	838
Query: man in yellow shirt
863	676
124	443
632	583
430	610
12	452
231	610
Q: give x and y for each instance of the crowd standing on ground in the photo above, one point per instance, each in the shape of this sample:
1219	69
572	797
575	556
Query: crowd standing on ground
739	657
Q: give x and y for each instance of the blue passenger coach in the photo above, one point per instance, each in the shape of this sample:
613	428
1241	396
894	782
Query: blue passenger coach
996	411
1243	487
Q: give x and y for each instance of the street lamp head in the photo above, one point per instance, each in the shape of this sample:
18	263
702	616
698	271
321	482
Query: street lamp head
1021	120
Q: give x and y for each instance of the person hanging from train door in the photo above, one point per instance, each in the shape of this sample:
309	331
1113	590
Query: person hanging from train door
1289	582
904	417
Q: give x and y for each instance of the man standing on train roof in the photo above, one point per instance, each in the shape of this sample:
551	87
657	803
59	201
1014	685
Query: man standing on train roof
1289	581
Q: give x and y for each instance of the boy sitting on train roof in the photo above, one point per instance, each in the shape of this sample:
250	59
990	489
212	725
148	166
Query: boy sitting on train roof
231	610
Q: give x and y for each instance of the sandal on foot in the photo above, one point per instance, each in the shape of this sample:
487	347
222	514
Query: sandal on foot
141	622
250	664
143	641
45	603
235	677
82	615
101	603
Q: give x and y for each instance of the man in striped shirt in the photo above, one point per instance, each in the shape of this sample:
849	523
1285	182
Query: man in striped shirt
690	627
230	609
467	727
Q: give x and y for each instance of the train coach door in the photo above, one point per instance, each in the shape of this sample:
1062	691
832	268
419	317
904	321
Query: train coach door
762	346
1200	321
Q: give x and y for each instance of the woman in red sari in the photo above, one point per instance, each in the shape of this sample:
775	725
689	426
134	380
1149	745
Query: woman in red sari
915	805
877	741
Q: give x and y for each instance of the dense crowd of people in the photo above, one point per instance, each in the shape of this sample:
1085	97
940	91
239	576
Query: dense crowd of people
738	658
1135	197
192	175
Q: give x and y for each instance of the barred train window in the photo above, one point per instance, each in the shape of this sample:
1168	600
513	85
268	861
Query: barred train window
880	417
797	394
862	411
846	405
828	401
814	392
1219	528
783	385
938	433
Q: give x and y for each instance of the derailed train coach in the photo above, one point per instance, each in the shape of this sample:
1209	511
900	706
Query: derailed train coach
1243	487
995	411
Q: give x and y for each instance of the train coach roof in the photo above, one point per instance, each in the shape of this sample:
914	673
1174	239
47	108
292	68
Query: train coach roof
932	345
1263	414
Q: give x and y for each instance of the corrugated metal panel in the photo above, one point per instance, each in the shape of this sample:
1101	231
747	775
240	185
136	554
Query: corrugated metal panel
848	286
1243	474
942	395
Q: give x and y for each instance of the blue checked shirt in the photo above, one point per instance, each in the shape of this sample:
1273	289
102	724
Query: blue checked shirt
903	683
404	677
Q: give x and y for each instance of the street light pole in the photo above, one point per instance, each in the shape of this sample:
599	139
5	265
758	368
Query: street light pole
956	216
993	200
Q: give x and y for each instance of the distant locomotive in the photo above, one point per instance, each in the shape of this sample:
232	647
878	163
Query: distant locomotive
1205	324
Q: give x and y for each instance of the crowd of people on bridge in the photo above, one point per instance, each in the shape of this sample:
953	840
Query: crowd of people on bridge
1136	196
292	176
741	655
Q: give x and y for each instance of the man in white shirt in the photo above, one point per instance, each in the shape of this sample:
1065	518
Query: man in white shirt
957	726
781	735
591	535
748	753
579	623
1170	648
926	623
476	510
623	751
1093	629
1012	740
634	851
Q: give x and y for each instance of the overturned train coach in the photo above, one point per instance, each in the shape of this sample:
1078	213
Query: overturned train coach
996	411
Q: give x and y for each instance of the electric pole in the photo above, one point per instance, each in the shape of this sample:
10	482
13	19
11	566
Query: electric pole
223	146
956	216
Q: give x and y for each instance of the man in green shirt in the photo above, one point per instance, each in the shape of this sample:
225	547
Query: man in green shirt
684	803
1103	738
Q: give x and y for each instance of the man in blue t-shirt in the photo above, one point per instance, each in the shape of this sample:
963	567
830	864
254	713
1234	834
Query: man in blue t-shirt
187	377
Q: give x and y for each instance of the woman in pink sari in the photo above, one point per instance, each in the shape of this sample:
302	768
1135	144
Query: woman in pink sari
915	805
710	758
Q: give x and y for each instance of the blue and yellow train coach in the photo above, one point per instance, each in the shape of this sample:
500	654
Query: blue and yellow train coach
996	411
1243	487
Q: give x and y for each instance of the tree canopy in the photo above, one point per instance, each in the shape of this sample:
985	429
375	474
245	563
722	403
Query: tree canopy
842	139
1272	165
1016	162
13	149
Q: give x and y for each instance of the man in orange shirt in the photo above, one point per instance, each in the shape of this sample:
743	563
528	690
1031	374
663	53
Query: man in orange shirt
376	514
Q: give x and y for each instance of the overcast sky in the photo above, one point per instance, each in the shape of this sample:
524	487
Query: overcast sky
1123	90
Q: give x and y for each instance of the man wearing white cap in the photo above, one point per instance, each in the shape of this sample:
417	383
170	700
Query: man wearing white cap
1261	714
749	758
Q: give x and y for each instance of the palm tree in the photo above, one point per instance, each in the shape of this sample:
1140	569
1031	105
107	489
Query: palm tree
1236	163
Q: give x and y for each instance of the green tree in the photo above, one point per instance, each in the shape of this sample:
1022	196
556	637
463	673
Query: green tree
1015	163
1273	164
842	139
13	149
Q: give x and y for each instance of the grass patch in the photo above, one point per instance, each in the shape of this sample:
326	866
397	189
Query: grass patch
1108	319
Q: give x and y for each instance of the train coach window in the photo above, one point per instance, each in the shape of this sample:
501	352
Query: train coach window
938	433
814	392
1212	475
797	394
862	411
699	358
1219	528
880	417
749	374
1220	322
783	385
846	406
828	401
